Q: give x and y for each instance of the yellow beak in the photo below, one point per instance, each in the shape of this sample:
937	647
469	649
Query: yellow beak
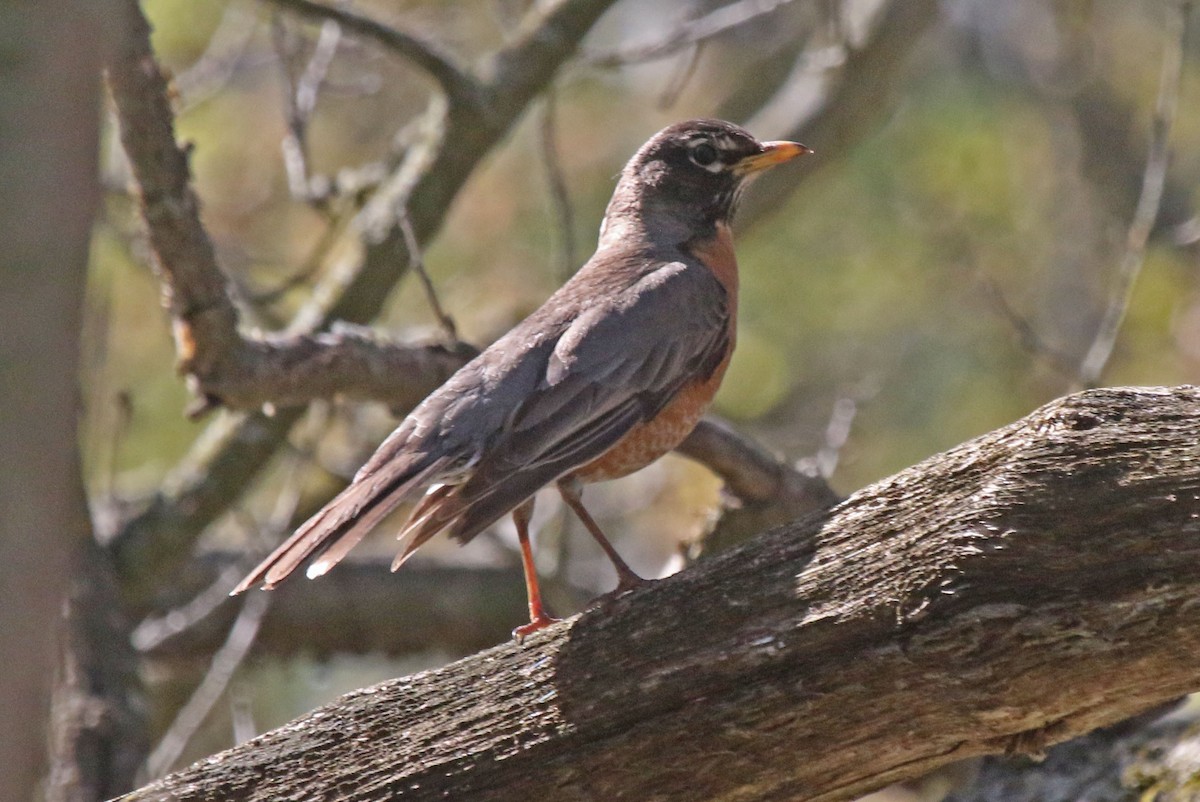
773	153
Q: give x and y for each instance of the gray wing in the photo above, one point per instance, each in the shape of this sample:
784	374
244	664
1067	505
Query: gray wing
551	395
615	366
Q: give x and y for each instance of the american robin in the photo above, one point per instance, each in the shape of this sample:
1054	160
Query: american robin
609	374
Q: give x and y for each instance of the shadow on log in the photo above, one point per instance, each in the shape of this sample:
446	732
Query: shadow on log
1021	589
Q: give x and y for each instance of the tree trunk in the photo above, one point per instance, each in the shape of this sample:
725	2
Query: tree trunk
50	106
1016	591
98	723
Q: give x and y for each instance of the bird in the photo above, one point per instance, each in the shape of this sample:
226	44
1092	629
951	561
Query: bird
613	371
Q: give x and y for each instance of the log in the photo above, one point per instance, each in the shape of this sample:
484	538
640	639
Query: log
1016	591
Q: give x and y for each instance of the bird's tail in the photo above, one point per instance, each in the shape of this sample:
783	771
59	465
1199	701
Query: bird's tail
328	536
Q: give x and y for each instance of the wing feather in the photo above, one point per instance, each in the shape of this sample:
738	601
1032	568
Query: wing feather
616	366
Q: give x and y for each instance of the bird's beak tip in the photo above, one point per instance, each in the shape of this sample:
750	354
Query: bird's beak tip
773	153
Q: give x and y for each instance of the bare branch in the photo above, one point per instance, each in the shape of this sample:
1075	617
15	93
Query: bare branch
157	629
224	663
560	196
454	609
223	461
837	432
229	369
300	101
1153	180
201	605
750	472
216	65
1027	336
766	490
858	98
417	262
425	182
458	84
689	34
546	38
205	320
937	615
349	362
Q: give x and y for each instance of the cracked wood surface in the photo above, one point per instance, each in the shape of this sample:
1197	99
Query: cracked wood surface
1018	590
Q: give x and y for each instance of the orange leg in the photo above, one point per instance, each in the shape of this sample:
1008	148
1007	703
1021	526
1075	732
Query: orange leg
573	495
538	618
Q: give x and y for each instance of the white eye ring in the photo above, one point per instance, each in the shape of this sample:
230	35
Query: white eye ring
704	154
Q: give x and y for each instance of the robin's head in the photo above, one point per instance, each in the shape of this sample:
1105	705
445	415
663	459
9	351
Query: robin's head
689	175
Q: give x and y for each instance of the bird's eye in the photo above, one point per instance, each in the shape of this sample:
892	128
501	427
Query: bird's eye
704	155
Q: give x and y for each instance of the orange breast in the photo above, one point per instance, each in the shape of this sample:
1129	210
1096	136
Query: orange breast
652	439
648	441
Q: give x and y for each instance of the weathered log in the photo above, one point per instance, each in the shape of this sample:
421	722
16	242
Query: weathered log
1023	588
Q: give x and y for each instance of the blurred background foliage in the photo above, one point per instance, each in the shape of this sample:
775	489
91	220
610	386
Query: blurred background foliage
940	275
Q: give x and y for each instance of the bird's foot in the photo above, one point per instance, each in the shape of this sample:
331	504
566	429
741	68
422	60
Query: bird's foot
537	622
628	582
625	584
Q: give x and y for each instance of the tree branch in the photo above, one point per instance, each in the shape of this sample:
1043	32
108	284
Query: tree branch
688	34
364	608
766	490
154	543
1152	756
454	79
349	362
1153	182
860	97
204	317
1023	588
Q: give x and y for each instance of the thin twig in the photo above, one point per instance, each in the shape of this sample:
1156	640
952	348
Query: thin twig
1027	336
241	635
241	712
417	262
837	432
300	101
690	33
152	543
1153	180
684	72
224	663
225	51
311	265
155	630
458	84
564	211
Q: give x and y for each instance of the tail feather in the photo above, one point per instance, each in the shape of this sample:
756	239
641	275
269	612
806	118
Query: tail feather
432	515
356	530
466	509
338	526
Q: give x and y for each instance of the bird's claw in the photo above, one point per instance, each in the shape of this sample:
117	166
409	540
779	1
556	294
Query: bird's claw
539	622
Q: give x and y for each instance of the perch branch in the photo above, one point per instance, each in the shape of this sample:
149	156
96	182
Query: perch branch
1023	588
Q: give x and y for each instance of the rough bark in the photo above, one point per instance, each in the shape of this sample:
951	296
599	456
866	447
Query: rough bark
49	129
1150	757
1021	589
98	710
